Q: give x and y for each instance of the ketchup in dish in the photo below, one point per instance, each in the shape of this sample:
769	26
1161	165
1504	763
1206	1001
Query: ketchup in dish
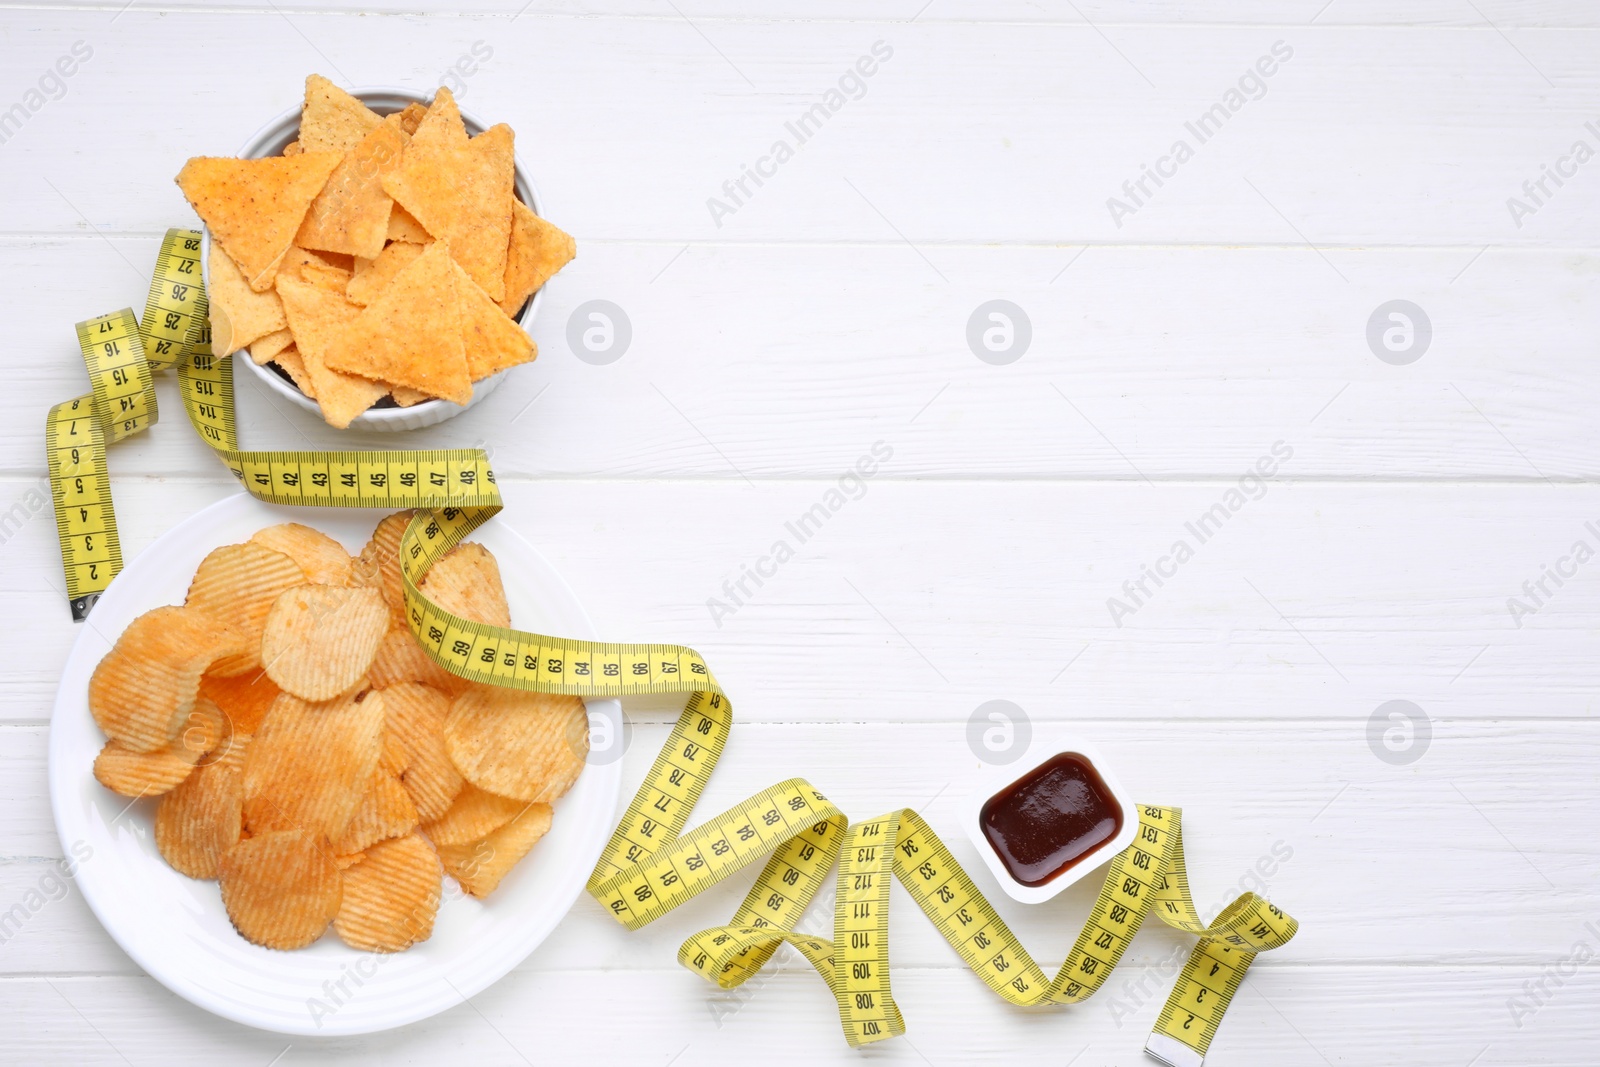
1044	823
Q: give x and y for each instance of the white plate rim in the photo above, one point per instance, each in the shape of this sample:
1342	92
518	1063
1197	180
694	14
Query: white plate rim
598	790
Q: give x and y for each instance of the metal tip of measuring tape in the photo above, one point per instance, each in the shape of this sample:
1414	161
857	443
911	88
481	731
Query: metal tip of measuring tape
1171	1051
81	606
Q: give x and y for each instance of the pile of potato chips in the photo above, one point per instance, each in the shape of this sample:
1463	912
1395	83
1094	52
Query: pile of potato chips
379	256
308	753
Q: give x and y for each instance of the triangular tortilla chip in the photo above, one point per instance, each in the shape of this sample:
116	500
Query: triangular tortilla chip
412	117
538	249
411	335
492	341
293	148
239	314
319	319
262	349
331	120
351	214
461	191
312	268
481	235
255	206
441	123
405	398
403	227
375	276
289	359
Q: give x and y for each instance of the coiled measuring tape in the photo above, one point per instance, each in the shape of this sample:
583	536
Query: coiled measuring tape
651	865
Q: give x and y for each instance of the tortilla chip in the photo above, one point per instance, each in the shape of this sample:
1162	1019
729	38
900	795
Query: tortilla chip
263	348
239	314
441	123
407	397
404	227
412	117
460	190
293	148
318	317
331	120
295	365
375	276
351	215
321	275
538	249
492	341
410	335
255	206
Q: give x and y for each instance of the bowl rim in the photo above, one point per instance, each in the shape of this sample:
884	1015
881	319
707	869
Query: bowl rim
434	410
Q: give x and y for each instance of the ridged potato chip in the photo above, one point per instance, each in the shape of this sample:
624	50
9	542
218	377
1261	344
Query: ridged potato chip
529	746
378	566
386	811
236	585
320	639
414	715
281	888
140	774
202	731
148	774
401	659
322	559
393	757
202	818
309	754
243	699
466	581
142	692
390	896
310	765
480	865
473	814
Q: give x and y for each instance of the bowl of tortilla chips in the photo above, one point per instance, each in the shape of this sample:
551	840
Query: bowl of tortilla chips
378	254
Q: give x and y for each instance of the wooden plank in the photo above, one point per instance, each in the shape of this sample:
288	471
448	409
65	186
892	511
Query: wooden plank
778	362
1269	807
1282	1015
1105	14
944	143
924	599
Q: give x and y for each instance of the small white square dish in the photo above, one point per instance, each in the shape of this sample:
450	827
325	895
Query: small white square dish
1049	820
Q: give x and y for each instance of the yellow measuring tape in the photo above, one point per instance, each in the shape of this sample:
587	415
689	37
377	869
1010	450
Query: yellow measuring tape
651	865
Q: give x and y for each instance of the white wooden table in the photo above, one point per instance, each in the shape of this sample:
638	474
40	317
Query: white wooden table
1176	340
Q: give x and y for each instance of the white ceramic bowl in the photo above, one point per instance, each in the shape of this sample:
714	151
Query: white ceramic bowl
996	779
269	141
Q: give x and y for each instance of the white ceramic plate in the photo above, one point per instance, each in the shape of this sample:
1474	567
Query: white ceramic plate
175	927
